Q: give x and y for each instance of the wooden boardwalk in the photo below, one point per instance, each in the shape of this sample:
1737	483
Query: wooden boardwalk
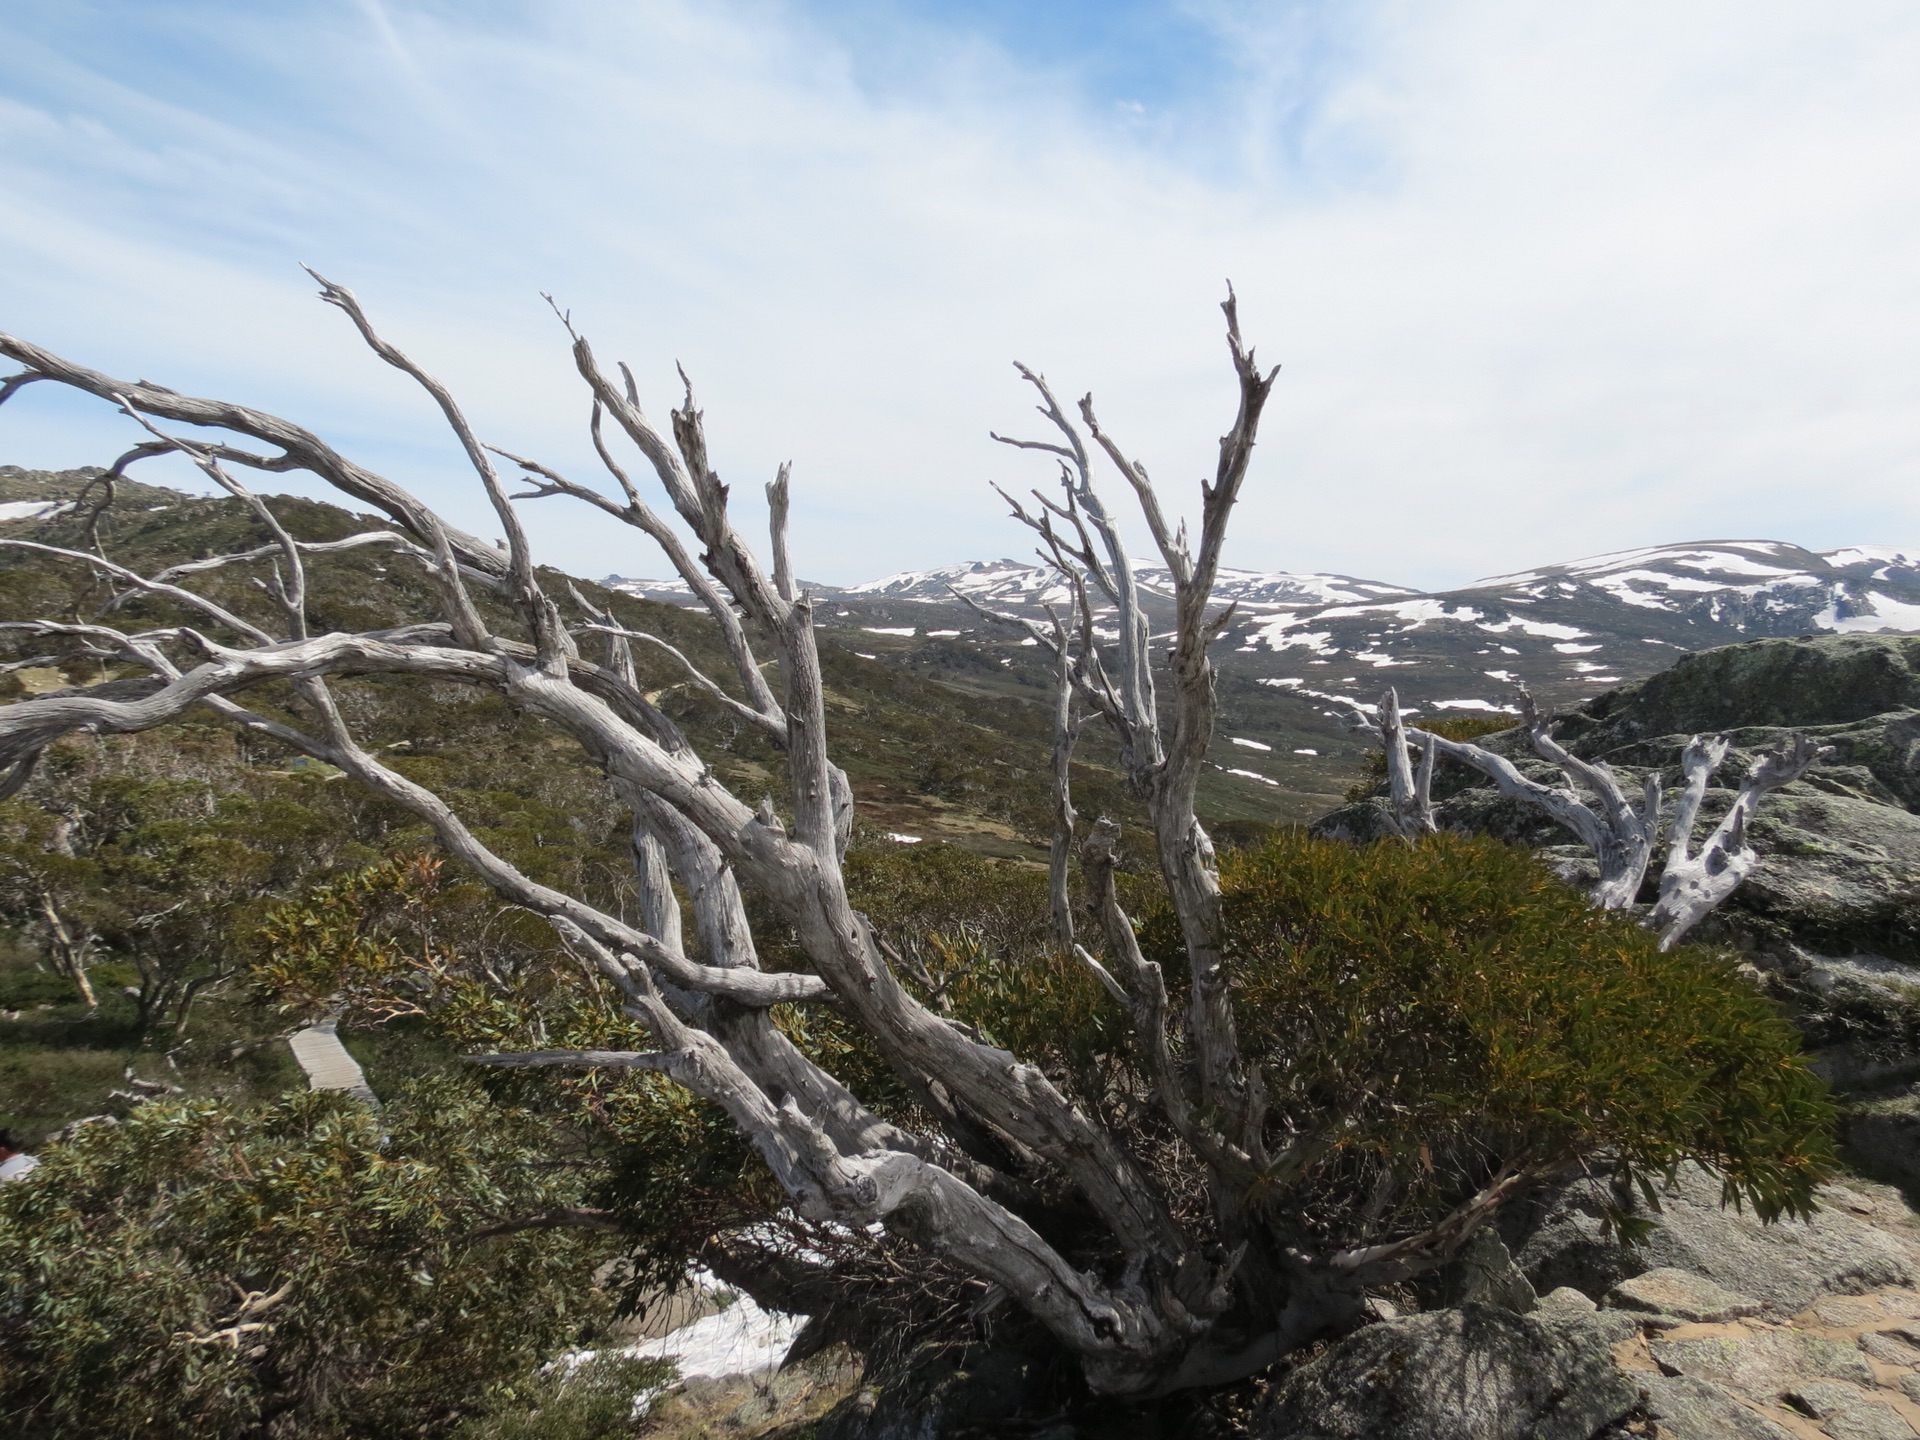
327	1063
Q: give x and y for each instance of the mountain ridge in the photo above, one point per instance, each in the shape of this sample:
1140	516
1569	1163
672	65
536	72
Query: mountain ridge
1859	581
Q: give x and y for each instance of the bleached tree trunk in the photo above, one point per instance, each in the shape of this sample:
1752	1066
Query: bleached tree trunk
1163	1303
69	955
1621	837
1693	884
1411	798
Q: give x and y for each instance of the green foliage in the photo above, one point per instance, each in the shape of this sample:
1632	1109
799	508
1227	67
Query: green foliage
979	933
152	858
1450	1010
198	1271
412	941
1435	1015
1373	771
590	1400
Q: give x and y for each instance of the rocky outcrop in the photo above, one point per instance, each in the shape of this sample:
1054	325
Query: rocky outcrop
1477	1371
1830	916
1815	681
1860	1239
1744	1331
1715	1328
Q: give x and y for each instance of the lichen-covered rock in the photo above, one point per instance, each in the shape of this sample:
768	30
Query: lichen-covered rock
1762	1365
1821	1398
1883	1137
1686	1408
1484	1272
1786	1266
1837	875
1682	1295
1869	1421
1473	1373
1812	681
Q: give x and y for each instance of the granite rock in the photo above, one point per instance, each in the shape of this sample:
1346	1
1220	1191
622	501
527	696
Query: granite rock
1478	1372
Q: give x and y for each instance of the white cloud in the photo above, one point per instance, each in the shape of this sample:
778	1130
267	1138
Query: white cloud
1612	275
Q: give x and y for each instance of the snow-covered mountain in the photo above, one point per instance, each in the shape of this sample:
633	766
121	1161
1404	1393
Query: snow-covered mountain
1567	630
1014	585
1744	583
1303	649
1026	588
1747	586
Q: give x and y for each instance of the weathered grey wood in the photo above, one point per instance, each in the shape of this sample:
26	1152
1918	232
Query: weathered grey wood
1693	884
1621	837
1412	802
1156	1315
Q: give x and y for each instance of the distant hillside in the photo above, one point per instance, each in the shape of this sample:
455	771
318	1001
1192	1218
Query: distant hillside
1568	630
956	750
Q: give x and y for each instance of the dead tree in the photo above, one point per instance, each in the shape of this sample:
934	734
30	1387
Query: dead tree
1621	836
1168	1299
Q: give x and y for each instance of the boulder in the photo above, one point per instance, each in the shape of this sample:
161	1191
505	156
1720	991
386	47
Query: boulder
1785	1266
1478	1372
1882	1136
1762	1365
1817	680
1688	1409
1869	1421
1837	875
1822	1398
1680	1295
1484	1272
1861	1013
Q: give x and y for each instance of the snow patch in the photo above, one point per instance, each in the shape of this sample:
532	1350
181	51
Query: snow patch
1888	614
1318	641
1306	752
742	1339
1868	555
1486	705
1534	627
1249	744
1567	647
1414	612
1252	775
31	509
899	839
894	630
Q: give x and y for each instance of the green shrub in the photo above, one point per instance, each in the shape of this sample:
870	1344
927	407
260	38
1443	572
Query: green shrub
315	1267
1446	1010
1441	1011
592	1400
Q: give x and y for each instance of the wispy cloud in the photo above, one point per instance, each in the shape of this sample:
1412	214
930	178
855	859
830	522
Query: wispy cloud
1545	281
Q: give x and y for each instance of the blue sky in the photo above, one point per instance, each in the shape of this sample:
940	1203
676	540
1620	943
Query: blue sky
1546	280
